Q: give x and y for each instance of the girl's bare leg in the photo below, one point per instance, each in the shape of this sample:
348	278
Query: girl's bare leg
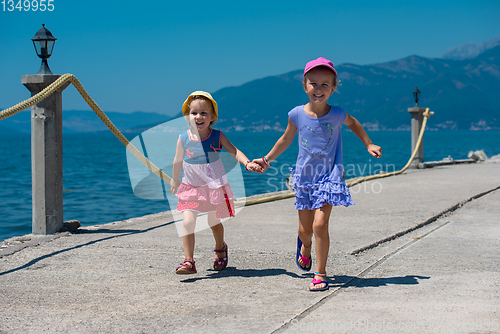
188	224
322	237
306	219
218	232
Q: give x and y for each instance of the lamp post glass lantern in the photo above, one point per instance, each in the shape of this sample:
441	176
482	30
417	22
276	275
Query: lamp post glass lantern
44	45
416	95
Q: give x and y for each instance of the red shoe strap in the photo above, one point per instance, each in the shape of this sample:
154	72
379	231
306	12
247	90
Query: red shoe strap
221	250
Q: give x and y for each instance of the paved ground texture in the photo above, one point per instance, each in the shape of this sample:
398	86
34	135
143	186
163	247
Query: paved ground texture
442	277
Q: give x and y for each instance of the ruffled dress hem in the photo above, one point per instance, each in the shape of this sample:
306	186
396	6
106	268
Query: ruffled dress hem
204	199
311	196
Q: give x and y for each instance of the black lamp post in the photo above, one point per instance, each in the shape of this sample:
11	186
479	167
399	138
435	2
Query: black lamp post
44	44
416	95
46	142
417	118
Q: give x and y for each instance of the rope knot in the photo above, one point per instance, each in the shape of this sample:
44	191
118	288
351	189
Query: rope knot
428	113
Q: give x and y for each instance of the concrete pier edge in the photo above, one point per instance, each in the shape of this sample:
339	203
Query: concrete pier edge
119	277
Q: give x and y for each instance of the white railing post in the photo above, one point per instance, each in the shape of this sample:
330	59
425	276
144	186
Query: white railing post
416	124
46	156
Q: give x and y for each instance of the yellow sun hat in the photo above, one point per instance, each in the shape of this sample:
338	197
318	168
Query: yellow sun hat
185	106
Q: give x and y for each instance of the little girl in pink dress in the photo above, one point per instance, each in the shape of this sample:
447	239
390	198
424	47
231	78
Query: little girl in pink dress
204	187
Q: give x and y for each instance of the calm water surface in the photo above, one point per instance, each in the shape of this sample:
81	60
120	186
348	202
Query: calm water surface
97	187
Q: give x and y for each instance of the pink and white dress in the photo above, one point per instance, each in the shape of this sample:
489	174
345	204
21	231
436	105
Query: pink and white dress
204	186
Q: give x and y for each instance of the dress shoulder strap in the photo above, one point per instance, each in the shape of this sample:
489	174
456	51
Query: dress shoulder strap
214	140
184	138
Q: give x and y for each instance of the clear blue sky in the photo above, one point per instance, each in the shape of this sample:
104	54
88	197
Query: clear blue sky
149	55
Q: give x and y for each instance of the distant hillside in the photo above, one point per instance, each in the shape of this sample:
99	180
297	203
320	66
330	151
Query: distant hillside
462	93
470	50
87	121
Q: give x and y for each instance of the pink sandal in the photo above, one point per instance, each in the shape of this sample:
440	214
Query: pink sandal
319	281
186	267
220	263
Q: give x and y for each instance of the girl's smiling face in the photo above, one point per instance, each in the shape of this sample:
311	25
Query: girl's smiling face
201	116
319	85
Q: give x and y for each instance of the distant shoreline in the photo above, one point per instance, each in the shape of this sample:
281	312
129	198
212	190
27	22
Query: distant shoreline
5	130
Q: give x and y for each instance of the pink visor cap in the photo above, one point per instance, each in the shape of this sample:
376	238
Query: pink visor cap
319	62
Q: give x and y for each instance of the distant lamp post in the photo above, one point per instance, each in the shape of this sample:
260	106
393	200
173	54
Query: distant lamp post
416	95
44	44
417	117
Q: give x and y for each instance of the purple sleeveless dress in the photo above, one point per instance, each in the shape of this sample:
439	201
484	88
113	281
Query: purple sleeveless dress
317	175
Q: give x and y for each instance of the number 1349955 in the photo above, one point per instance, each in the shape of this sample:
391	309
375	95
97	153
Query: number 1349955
27	5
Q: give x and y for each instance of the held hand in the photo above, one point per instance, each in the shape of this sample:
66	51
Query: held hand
174	184
374	150
262	164
253	167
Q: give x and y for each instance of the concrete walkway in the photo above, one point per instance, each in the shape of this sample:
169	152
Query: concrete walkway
441	278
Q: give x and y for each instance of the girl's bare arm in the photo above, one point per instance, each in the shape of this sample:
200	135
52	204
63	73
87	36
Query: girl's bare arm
237	154
280	146
176	169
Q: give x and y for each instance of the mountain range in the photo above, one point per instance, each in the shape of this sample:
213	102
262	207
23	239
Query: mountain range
470	49
87	121
460	87
462	93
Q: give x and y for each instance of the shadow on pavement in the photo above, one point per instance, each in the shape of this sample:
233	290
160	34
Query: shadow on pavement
234	272
361	282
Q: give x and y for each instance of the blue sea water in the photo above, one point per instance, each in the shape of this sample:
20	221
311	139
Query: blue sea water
97	187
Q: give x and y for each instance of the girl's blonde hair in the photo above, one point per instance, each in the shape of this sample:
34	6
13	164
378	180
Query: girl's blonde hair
200	97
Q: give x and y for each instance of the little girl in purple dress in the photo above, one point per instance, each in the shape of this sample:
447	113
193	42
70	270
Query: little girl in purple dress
318	175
